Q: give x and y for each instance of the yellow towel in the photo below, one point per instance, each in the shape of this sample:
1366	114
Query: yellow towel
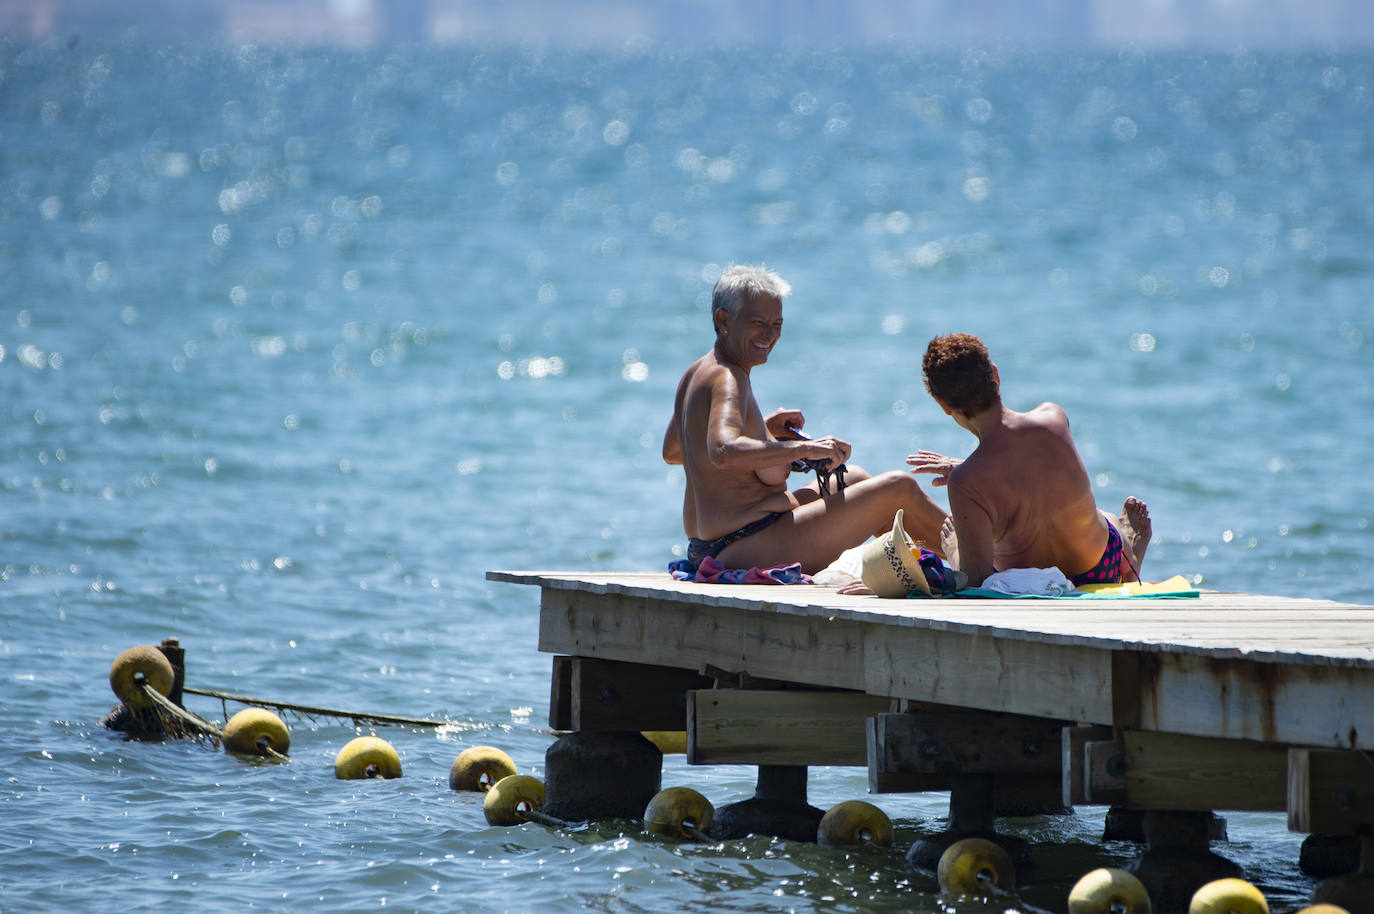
1140	589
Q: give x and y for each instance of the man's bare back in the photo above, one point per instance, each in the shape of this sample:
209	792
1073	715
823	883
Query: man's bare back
1023	498
737	506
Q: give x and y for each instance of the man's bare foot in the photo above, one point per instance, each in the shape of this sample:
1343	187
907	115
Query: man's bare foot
949	543
1134	526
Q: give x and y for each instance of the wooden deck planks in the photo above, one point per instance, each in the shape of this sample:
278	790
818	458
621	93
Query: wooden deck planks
1226	624
1227	665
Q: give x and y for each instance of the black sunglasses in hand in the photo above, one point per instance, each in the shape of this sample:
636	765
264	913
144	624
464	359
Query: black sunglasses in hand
809	463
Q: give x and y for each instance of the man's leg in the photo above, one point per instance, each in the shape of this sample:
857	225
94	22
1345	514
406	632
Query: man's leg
817	531
812	490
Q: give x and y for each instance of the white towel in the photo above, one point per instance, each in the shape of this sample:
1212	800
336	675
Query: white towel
1044	582
846	569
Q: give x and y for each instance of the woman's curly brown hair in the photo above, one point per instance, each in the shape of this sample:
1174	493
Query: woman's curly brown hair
959	373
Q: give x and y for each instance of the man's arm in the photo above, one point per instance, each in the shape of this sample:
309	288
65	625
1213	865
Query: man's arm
938	465
672	440
973	530
781	421
730	447
672	445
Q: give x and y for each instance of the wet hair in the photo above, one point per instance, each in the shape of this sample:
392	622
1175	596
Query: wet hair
738	283
959	373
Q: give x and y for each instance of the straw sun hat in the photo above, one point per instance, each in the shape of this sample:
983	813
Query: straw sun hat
890	568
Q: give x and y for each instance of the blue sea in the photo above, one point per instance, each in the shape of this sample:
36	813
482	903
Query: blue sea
297	344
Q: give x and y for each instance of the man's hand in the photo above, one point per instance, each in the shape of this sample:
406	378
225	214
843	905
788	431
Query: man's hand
830	449
855	589
781	421
937	465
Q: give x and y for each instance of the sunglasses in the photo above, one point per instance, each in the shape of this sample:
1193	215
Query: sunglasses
823	475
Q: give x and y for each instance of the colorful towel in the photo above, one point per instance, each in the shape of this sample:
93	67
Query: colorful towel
711	571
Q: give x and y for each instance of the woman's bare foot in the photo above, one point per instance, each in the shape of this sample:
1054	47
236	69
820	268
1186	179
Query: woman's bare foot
1134	526
949	543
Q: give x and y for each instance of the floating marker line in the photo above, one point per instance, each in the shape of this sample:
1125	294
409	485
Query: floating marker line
355	716
192	721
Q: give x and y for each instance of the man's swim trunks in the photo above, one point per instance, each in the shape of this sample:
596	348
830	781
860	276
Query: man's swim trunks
699	549
1115	565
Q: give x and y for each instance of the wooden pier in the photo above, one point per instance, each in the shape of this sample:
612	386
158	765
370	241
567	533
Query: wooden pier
1224	702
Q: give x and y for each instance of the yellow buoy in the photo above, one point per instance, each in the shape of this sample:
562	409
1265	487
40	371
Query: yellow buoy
1109	891
511	797
136	667
854	822
669	742
969	866
1228	896
367	757
479	768
678	812
1324	908
255	731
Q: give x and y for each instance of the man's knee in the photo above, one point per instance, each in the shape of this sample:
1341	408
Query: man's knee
899	483
853	474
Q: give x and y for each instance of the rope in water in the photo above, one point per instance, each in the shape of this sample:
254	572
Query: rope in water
358	717
534	815
698	834
191	722
996	891
989	886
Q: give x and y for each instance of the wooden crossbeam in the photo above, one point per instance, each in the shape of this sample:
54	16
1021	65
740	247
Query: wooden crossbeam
1145	770
1104	772
1330	792
1073	767
609	695
921	750
776	727
971	742
1169	771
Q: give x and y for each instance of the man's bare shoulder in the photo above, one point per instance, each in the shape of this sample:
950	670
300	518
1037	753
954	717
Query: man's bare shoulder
968	481
708	375
1048	413
968	475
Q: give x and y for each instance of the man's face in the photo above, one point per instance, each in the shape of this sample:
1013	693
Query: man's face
750	335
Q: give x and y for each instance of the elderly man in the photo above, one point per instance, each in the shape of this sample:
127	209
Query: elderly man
737	507
1023	498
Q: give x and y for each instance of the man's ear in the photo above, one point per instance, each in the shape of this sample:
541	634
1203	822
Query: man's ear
720	316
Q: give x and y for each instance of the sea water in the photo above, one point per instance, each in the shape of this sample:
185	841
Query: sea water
296	345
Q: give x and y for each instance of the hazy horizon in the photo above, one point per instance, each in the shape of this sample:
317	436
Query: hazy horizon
1147	24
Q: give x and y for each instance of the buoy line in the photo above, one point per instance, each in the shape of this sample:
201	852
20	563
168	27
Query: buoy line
142	678
358	717
198	725
542	818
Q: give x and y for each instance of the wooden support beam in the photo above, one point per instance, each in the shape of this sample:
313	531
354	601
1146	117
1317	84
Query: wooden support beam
1252	700
819	650
609	695
1073	765
560	694
881	780
1330	792
1169	771
1104	772
923	750
764	727
1296	672
1127	668
981	671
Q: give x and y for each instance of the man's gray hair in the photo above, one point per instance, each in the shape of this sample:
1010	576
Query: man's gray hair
740	282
